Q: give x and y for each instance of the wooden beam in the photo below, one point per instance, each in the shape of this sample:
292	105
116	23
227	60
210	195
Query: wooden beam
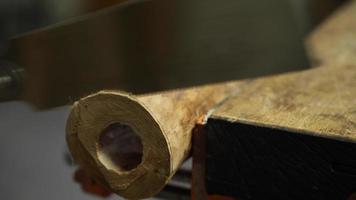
286	137
292	136
318	102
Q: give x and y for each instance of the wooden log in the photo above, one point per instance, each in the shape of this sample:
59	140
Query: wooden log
134	144
156	129
290	136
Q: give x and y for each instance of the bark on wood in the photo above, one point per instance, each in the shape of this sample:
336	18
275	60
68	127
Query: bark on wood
163	121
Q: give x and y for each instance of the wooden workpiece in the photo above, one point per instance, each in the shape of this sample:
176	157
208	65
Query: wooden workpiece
292	136
288	136
163	122
319	102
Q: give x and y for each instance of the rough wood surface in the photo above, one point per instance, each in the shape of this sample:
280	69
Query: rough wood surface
163	121
335	40
320	102
292	136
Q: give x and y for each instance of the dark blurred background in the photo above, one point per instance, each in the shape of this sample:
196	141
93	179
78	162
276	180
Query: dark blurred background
70	49
212	41
18	16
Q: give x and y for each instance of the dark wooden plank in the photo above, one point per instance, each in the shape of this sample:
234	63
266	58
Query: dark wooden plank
290	136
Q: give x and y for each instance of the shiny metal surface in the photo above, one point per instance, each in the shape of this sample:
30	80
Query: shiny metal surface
5	80
11	77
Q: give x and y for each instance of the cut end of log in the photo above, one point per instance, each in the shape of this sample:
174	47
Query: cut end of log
115	137
135	144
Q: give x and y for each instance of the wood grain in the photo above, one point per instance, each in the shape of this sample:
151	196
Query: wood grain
292	136
163	121
319	102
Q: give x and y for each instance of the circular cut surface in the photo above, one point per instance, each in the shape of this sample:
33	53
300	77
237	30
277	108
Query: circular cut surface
115	136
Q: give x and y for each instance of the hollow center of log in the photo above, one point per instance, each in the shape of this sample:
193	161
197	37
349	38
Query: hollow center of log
120	148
